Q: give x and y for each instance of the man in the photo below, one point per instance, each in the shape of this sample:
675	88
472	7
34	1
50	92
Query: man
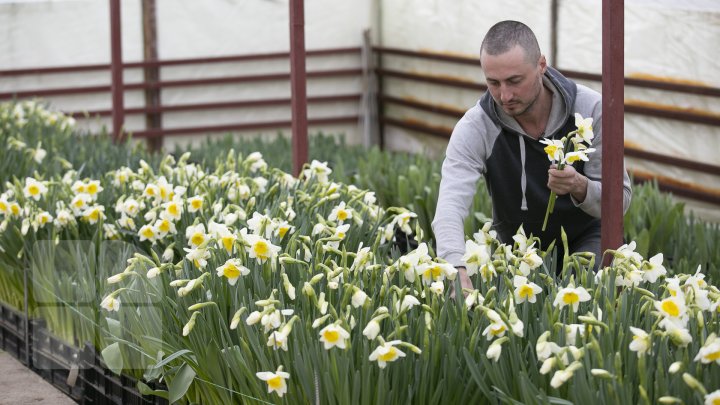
499	138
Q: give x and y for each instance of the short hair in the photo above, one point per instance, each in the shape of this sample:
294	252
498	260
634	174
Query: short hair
504	35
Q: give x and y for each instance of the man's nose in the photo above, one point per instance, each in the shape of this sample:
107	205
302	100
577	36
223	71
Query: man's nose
505	94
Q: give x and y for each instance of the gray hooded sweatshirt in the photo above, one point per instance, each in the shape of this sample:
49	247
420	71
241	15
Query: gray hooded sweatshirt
488	142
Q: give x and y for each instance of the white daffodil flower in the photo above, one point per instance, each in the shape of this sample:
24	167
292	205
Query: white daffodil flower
232	270
553	149
275	381
195	235
333	335
653	268
386	353
641	341
524	290
571	157
710	352
571	296
260	248
713	398
340	213
475	256
34	189
110	303
674	309
584	128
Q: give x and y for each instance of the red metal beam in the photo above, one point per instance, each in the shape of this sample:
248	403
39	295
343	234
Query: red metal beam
298	84
350	119
613	90
177	83
216	106
629	81
116	70
176	62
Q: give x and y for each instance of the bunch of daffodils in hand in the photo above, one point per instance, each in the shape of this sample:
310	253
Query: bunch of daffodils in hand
568	150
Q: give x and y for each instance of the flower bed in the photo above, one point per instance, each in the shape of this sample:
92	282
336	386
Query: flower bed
243	282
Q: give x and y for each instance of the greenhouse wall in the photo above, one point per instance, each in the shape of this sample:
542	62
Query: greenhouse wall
666	40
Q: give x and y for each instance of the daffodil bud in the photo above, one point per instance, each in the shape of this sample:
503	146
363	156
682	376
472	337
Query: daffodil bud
318	322
308	290
675	367
253	318
602	373
190	324
670	400
236	318
693	383
289	288
371	329
316	278
200	305
168	253
359	298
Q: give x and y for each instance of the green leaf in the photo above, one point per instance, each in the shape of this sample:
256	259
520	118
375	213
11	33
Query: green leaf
172	357
145	390
113	358
180	383
114	327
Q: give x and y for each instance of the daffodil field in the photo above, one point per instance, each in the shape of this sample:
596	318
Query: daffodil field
226	280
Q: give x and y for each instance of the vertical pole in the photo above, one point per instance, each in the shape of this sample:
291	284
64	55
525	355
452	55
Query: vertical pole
116	69
298	83
554	11
153	120
369	116
380	82
613	76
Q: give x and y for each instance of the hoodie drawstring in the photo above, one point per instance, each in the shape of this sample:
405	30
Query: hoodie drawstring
523	177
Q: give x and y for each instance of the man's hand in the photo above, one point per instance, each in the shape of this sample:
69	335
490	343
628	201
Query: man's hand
566	181
465	282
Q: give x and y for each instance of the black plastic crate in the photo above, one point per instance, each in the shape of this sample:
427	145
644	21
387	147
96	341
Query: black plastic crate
102	386
12	333
57	362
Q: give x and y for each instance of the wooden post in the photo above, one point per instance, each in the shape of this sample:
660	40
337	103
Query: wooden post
153	120
554	11
116	70
613	77
298	83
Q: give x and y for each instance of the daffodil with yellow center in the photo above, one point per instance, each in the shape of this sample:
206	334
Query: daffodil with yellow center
195	203
260	248
147	232
710	352
334	335
386	353
4	207
15	209
232	270
34	189
275	381
94	214
553	148
524	290
571	296
673	308
195	234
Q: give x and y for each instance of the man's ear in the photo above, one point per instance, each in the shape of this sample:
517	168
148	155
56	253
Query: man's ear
543	64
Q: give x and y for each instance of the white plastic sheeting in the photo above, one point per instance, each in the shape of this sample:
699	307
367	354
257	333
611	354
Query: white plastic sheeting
664	40
76	32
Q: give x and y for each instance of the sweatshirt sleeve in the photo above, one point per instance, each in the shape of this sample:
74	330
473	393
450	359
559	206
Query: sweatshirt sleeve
593	171
461	169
